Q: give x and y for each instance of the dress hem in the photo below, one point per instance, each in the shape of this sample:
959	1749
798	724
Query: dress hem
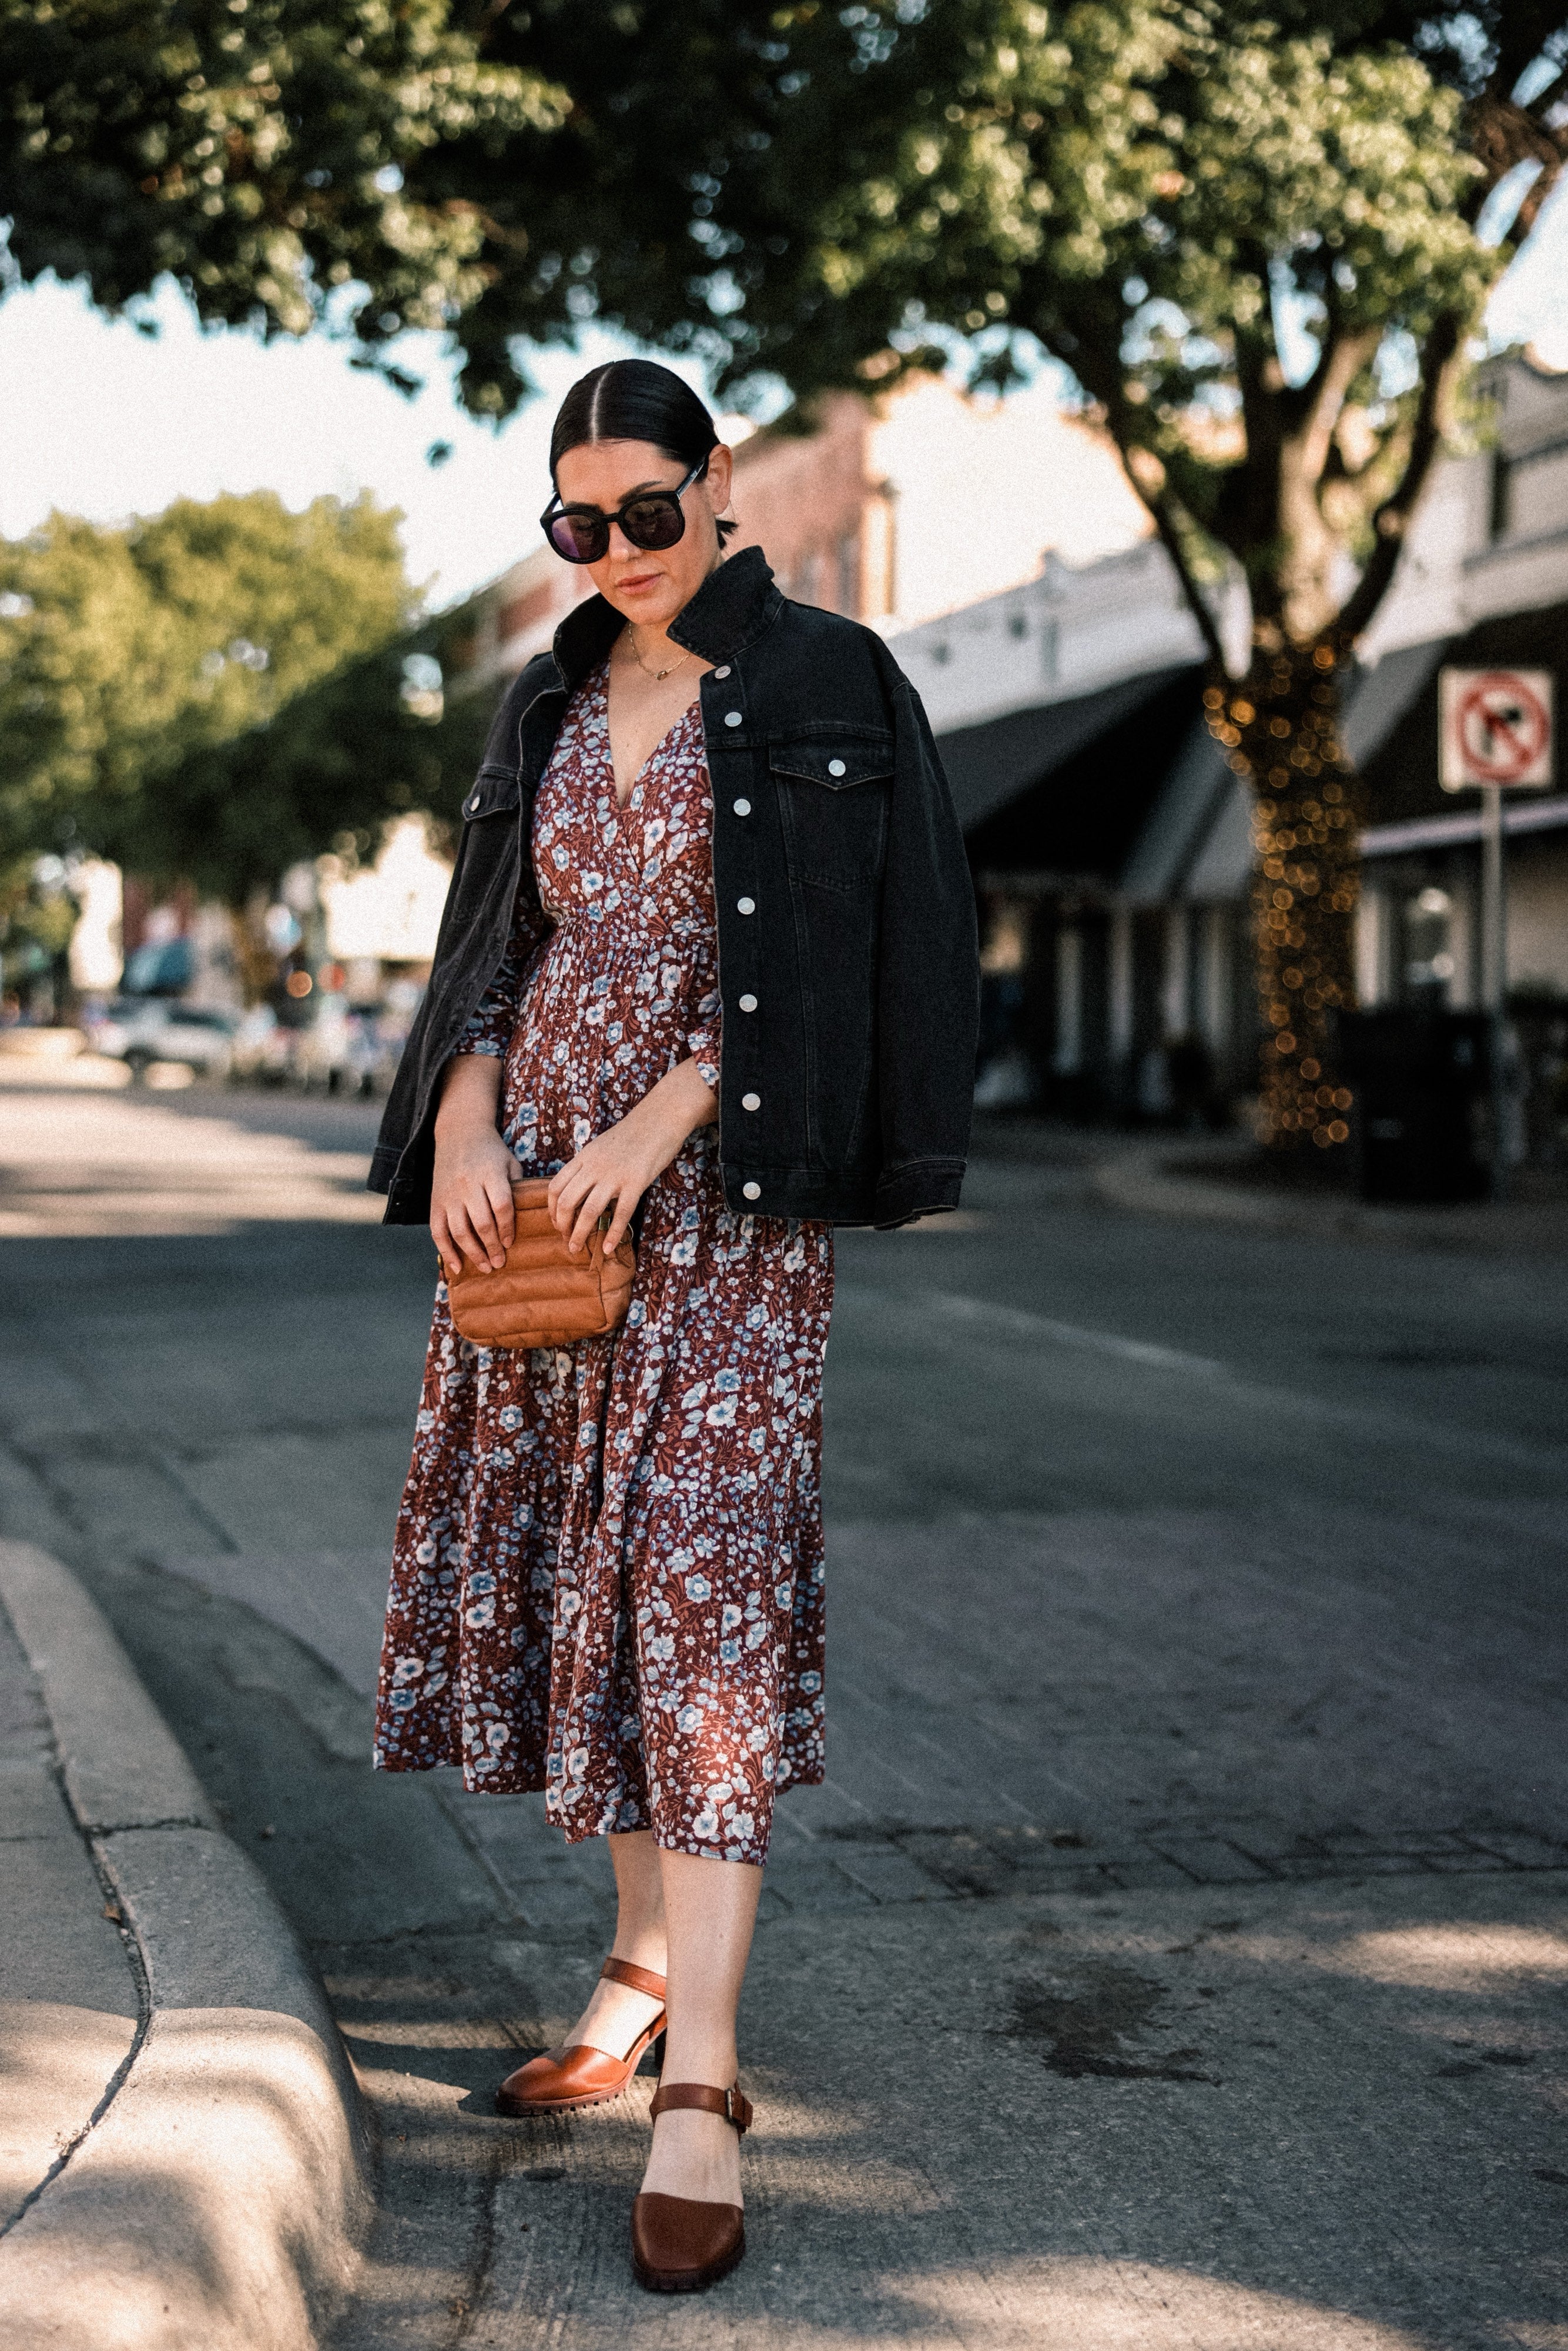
534	1786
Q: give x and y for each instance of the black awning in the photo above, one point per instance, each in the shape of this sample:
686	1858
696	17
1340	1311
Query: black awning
990	765
1079	805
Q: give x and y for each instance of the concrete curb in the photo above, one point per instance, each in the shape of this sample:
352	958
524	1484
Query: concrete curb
222	2195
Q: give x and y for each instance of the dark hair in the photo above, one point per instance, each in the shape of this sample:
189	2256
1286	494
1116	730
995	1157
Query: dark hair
636	399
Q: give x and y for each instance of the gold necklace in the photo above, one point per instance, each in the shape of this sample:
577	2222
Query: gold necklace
656	674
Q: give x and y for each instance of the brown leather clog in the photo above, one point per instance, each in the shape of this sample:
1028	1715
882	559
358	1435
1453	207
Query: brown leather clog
580	2075
679	2244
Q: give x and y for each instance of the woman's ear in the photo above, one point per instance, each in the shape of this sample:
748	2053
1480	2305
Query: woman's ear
720	476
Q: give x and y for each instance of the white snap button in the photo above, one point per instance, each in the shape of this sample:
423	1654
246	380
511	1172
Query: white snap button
732	717
743	808
835	767
751	1191
751	1102
748	1003
745	905
722	672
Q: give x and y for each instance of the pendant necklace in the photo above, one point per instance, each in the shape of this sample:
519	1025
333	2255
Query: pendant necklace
656	674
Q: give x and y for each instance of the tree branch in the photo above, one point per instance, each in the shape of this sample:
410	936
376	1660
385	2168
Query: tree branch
1100	378
1162	507
1343	362
1442	359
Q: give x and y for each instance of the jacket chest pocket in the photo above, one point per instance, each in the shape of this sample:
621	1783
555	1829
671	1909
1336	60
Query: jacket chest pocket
833	785
497	791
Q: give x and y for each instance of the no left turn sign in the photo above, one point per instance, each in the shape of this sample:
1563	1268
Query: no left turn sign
1497	727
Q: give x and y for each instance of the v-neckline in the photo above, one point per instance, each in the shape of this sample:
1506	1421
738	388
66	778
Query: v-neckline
624	806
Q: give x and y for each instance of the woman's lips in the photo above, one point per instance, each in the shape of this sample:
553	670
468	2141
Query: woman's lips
635	580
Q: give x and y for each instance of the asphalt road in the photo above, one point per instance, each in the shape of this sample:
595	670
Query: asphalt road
1176	1953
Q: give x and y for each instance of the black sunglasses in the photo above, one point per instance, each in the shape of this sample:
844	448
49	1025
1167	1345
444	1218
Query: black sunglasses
652	519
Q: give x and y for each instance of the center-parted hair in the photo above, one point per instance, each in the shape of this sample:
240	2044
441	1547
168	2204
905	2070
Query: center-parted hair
636	399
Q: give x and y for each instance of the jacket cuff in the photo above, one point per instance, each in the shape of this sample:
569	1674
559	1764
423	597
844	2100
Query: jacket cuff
383	1167
917	1188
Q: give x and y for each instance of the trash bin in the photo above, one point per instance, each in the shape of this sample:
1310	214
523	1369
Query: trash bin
1421	1124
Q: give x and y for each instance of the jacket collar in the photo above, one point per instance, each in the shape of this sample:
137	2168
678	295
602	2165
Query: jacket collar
734	604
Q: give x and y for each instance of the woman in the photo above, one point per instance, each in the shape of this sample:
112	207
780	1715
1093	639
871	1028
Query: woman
708	964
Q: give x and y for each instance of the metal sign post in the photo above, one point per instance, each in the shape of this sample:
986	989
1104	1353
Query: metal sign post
1496	736
1494	975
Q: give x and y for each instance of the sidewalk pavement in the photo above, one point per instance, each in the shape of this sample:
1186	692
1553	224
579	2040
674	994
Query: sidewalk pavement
1203	1179
84	1154
182	2158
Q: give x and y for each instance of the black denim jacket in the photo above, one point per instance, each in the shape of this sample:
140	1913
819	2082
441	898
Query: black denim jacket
846	919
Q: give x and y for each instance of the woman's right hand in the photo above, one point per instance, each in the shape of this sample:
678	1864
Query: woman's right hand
471	1213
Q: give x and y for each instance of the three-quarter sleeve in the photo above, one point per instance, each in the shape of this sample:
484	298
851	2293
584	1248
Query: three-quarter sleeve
489	1027
702	1044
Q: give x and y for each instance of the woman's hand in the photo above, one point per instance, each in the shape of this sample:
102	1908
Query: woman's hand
610	1175
471	1213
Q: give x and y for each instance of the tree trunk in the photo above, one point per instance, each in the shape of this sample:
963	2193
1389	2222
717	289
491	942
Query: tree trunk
1280	726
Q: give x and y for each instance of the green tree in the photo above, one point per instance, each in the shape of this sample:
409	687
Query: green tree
1253	239
126	653
37	915
255	149
368	742
502	173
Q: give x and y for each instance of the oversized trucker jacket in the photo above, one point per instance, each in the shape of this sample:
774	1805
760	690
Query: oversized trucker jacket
846	917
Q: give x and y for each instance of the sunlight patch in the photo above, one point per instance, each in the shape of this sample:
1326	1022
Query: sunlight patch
1088	2305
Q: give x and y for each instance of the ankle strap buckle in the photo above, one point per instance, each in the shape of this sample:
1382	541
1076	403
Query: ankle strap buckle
732	2104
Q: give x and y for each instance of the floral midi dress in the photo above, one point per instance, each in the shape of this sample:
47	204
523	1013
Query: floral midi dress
607	1580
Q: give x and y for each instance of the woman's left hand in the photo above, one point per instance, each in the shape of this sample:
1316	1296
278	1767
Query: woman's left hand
611	1173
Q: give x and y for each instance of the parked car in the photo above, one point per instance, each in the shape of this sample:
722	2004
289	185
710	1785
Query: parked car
323	1051
344	1049
376	1038
263	1048
140	1030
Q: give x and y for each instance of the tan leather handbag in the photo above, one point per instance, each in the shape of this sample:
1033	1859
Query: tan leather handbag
543	1296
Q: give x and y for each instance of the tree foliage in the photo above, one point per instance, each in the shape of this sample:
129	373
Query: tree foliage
503	172
1252	240
337	761
255	149
777	186
125	654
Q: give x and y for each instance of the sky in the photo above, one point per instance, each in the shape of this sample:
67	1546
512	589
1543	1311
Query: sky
104	421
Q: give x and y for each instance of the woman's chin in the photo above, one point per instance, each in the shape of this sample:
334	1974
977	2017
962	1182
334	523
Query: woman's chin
651	607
